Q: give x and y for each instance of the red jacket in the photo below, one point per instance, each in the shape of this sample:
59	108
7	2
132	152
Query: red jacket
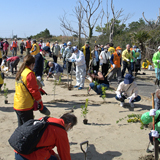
52	136
11	59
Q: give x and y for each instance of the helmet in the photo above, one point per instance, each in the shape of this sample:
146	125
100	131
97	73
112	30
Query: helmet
69	43
65	44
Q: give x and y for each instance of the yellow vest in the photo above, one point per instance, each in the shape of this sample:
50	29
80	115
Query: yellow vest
37	50
1	80
22	98
84	51
0	54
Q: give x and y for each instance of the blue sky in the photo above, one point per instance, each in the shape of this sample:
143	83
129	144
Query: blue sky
29	17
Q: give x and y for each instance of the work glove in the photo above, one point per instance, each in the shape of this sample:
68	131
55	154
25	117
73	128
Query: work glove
40	106
30	51
73	60
158	61
154	133
152	112
130	99
114	65
119	96
127	60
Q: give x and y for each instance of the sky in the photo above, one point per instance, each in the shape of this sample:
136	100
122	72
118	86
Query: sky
29	17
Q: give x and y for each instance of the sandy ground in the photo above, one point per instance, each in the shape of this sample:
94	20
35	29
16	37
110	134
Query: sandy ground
107	139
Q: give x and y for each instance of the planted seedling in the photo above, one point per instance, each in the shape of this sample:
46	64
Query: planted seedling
104	92
54	88
84	111
5	93
60	79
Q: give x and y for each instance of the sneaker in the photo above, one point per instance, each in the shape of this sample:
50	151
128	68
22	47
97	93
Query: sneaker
75	86
122	104
132	105
80	88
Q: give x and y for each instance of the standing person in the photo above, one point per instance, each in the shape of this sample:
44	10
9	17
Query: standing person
102	47
53	136
79	59
138	64
26	85
5	47
1	46
127	90
55	69
156	61
67	54
39	63
48	44
41	45
28	45
35	48
12	62
61	52
87	54
95	54
56	51
14	45
111	48
1	79
115	64
100	80
22	47
126	56
104	60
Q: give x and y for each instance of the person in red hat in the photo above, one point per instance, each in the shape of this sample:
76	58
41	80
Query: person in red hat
115	61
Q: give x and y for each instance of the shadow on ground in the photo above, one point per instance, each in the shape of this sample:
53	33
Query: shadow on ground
92	154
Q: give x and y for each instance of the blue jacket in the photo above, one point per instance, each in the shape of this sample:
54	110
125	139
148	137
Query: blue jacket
56	68
39	63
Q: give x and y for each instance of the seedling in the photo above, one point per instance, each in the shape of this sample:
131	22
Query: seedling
104	92
133	118
54	88
60	79
84	111
5	93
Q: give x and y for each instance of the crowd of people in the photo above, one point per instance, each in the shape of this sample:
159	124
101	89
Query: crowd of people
99	66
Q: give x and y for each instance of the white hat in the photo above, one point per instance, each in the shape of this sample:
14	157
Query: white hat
75	48
69	43
159	47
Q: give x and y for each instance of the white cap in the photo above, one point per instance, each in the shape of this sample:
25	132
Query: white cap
159	47
69	43
75	48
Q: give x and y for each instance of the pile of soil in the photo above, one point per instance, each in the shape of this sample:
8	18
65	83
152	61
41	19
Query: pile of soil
147	157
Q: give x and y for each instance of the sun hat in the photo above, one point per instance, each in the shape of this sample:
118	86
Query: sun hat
128	79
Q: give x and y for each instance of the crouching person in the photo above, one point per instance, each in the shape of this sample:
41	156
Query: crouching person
146	118
98	81
53	136
127	90
55	69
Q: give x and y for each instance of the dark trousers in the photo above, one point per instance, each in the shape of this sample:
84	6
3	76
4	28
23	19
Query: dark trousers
55	59
24	116
132	66
19	157
105	68
21	48
126	65
0	61
69	66
137	99
96	67
87	64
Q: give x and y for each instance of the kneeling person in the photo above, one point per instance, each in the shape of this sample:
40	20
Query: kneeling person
55	69
100	81
127	90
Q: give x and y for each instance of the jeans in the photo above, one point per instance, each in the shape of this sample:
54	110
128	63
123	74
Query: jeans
19	157
14	53
132	66
98	88
138	98
157	72
14	64
126	65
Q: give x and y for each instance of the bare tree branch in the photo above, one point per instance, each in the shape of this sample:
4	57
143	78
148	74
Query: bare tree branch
147	20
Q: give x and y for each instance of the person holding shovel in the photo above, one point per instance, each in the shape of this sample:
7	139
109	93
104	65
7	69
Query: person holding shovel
156	62
127	90
126	56
79	59
115	61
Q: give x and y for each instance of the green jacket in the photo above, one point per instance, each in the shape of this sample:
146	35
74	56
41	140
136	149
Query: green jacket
156	57
146	119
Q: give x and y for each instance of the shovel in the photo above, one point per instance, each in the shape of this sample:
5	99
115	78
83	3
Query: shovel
155	140
84	151
109	72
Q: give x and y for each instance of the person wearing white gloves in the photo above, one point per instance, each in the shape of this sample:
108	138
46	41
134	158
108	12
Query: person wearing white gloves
156	62
146	118
126	57
127	90
79	59
115	61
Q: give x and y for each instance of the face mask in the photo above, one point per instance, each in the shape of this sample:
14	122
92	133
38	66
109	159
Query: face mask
119	51
47	55
105	49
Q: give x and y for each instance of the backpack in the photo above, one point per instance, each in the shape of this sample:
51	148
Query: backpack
26	137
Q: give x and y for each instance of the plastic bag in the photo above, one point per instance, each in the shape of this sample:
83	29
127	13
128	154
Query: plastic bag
94	62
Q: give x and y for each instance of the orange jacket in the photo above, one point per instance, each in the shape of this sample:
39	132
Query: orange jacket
116	60
52	136
14	44
28	44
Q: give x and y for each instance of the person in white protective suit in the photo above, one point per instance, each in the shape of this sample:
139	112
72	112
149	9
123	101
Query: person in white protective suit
79	59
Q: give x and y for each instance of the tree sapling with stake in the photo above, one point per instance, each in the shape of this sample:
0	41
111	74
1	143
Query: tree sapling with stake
84	111
5	93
